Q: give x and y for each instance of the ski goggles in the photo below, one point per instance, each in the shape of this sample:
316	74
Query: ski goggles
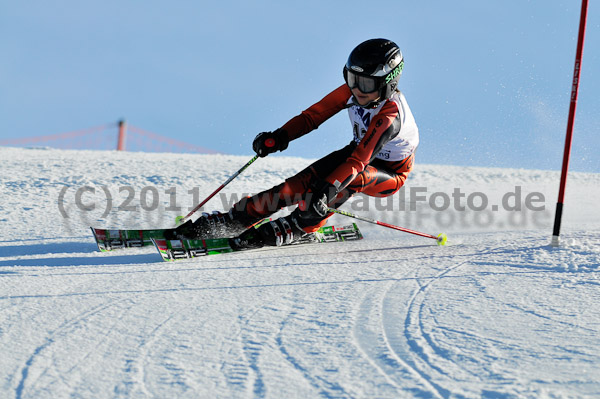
365	84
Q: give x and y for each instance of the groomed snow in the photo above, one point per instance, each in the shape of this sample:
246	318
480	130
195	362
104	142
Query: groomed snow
497	313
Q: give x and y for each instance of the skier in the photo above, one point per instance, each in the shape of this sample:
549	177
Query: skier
376	162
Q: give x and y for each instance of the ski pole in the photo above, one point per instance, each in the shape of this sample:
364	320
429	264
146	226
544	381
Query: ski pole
182	220
441	239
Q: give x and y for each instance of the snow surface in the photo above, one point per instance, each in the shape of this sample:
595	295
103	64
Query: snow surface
497	313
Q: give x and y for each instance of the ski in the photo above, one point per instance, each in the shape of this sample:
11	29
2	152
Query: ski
108	240
171	250
111	239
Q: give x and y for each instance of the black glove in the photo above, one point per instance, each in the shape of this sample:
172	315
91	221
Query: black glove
318	201
266	143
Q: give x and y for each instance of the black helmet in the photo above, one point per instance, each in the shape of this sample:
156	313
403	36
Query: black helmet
374	65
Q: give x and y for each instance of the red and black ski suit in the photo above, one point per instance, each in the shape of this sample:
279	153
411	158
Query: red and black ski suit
369	164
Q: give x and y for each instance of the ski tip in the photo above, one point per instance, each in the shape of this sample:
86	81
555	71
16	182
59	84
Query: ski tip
442	239
162	248
100	248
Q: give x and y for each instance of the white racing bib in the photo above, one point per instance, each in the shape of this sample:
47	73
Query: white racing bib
404	142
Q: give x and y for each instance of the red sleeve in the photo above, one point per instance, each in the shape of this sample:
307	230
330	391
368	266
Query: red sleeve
316	114
372	142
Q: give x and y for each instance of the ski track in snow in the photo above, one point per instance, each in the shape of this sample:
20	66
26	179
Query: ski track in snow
495	314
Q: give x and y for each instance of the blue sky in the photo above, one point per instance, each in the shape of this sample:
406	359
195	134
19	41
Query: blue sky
488	81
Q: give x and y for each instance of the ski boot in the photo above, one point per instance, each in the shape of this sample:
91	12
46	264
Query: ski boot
214	225
282	231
